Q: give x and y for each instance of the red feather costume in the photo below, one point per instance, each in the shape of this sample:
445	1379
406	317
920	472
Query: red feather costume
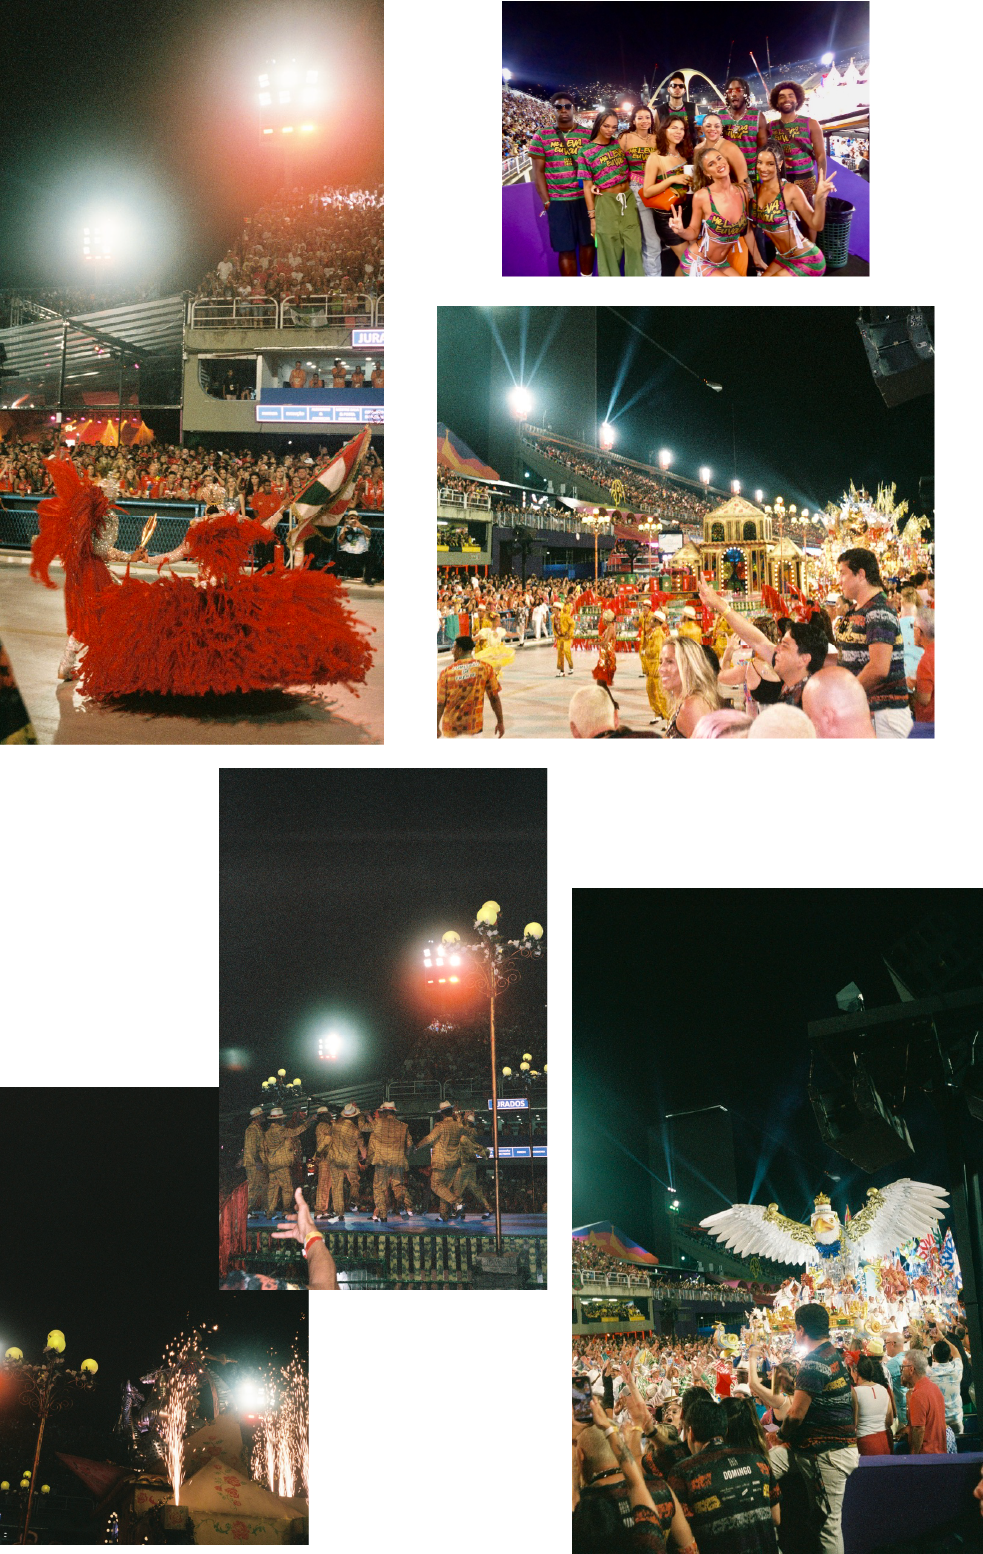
225	631
71	526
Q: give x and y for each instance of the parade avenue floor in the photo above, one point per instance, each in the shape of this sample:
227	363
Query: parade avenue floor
535	700
32	630
419	1224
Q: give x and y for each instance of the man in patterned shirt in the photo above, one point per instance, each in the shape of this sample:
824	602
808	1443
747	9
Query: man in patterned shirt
389	1144
820	1427
461	691
871	645
554	156
445	1139
729	1496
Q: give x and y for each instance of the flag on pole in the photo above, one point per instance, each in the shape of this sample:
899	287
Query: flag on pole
327	497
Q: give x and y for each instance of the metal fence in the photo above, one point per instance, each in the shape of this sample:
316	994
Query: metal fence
320	312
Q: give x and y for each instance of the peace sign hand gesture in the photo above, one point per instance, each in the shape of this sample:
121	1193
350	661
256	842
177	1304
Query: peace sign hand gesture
825	186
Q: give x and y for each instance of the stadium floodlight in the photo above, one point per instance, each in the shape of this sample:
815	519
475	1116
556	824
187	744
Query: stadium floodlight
309	96
288	129
311	76
268	132
264	80
827	59
520	402
305	129
265	98
328	1047
506	74
606	437
735	486
665	458
759	496
287	75
283	97
705	475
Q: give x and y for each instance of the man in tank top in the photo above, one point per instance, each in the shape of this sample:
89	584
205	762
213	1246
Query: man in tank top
800	138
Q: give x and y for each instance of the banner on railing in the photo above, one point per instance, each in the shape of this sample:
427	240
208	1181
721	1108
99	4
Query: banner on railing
521	1151
368	339
323	415
513	1104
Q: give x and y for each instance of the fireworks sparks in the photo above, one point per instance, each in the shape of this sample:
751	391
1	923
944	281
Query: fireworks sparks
177	1385
281	1451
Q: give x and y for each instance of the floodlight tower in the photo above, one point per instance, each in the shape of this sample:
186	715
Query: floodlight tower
289	95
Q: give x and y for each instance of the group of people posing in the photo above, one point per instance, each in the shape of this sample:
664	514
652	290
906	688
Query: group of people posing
351	1142
737	194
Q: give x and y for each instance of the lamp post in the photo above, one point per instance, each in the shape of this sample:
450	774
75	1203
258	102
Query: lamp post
595	522
279	1088
651	528
45	1389
493	963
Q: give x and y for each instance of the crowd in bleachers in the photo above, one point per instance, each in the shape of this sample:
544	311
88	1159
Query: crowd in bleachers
522	116
306	243
252	479
70	301
643	491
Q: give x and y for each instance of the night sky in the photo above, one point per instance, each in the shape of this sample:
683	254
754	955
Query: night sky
332	882
152	109
110	1234
711	1008
808	415
624	44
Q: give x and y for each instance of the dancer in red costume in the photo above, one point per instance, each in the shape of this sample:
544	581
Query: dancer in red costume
226	631
80	526
604	669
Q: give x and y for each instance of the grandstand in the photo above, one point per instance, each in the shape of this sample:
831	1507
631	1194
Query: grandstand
278	352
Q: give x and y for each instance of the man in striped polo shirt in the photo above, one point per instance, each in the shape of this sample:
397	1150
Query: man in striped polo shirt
800	138
555	154
870	644
743	125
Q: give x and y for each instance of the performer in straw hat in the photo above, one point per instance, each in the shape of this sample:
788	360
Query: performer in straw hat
650	653
445	1138
466	1180
280	1159
322	1137
254	1159
389	1145
344	1152
689	626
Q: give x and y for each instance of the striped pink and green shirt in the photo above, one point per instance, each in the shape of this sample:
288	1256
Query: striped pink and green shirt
562	172
605	166
743	133
796	144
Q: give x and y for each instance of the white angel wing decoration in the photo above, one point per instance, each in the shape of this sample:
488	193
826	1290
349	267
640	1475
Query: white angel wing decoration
892	1215
747	1228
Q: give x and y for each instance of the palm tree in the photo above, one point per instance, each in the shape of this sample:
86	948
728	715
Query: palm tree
524	538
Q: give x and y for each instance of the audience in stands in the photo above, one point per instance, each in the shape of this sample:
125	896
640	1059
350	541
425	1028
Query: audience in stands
522	116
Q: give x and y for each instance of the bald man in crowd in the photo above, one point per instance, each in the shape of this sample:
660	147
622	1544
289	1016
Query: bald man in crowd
836	703
592	712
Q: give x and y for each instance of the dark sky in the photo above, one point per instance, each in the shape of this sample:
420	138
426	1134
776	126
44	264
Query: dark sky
332	882
152	109
625	43
807	413
710	1008
110	1215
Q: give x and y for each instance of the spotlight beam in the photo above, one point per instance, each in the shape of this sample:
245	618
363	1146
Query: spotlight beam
717	387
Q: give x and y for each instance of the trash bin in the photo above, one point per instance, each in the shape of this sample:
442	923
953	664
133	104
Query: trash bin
834	239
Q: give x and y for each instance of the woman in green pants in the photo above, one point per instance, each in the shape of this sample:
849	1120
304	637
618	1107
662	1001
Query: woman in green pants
611	206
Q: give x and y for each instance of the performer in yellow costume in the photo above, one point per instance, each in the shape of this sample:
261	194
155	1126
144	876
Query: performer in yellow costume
652	633
344	1151
322	1135
721	636
254	1159
389	1146
445	1137
281	1153
467	1176
492	648
689	627
563	634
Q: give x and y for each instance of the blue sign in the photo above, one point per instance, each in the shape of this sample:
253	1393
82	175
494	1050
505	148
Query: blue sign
518	1103
521	1151
368	339
323	415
